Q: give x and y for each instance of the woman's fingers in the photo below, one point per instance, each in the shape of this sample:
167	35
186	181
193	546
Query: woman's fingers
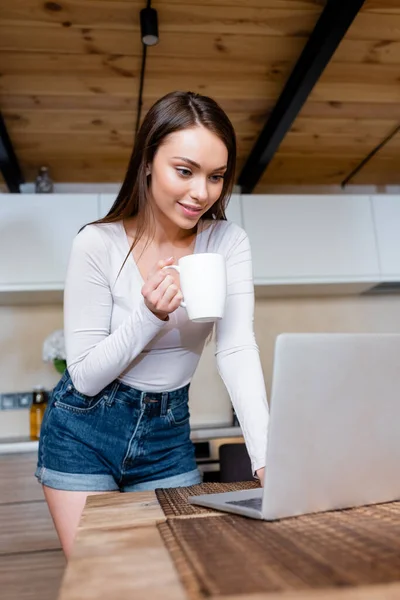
157	293
153	282
171	298
156	275
161	294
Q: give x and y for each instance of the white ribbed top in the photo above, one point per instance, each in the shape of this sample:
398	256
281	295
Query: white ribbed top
110	333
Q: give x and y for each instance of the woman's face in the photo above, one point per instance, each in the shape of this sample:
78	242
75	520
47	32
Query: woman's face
187	175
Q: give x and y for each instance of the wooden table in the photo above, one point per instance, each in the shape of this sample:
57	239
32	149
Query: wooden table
119	554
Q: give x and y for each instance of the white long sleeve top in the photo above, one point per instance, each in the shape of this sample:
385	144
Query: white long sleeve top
111	334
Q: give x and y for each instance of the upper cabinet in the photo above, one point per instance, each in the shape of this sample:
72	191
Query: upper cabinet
36	233
234	210
387	222
105	203
300	244
311	239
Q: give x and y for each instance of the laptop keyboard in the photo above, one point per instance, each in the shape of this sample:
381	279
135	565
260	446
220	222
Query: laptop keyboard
249	503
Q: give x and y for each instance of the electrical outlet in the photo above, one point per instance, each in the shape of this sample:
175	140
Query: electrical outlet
8	402
24	400
15	401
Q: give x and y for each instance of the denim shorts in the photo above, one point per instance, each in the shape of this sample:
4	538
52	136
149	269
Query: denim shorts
121	439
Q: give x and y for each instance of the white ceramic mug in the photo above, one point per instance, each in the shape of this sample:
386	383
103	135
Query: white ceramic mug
203	285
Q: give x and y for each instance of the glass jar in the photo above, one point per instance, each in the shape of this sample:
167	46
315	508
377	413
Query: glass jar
39	404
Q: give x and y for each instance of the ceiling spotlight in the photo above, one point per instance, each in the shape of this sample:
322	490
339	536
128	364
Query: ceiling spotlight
149	26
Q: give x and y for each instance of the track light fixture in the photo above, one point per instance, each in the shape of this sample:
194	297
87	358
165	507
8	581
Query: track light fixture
149	26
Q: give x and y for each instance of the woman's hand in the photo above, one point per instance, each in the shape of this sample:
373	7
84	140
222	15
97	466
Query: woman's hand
161	294
260	474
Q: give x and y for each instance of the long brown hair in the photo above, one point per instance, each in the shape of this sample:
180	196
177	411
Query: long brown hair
173	112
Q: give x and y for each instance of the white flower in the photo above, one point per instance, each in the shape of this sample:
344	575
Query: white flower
54	346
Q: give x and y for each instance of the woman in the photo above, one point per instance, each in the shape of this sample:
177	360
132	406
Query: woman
118	418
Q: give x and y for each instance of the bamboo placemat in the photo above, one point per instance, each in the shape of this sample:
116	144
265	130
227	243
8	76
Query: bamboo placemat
174	501
221	554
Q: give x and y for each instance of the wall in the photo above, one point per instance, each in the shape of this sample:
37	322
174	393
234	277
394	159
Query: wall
23	329
22	332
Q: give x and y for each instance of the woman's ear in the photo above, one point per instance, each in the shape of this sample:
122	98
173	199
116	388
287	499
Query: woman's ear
148	170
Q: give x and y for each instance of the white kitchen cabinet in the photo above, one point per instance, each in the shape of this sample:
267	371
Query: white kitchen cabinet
105	203
301	244
233	211
36	232
311	239
386	210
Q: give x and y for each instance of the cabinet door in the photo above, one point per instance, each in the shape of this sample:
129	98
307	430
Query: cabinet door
17	481
36	232
233	211
387	222
105	203
311	238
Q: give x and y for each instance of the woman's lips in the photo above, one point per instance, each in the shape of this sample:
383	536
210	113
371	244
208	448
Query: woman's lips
190	211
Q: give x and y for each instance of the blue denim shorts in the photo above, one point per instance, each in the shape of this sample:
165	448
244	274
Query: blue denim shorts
121	439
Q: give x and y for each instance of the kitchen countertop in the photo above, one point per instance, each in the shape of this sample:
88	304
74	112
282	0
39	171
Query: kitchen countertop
119	553
198	433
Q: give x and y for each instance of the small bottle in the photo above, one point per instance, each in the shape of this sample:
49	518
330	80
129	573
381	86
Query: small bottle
39	403
44	183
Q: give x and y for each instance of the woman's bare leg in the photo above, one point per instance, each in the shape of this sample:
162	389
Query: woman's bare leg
66	509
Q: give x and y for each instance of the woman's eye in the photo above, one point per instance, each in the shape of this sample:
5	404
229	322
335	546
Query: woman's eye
184	172
217	178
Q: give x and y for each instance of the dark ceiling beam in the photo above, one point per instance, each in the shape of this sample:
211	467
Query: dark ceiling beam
9	166
331	27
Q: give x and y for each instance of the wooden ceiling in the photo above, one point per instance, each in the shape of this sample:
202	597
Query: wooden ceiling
69	81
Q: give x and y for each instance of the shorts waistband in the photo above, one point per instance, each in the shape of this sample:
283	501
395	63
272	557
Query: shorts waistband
132	394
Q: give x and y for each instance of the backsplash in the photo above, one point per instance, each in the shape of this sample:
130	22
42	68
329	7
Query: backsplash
23	329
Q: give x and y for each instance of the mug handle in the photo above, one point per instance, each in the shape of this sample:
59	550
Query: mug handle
179	271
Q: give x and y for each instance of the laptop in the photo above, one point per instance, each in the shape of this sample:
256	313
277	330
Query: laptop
334	429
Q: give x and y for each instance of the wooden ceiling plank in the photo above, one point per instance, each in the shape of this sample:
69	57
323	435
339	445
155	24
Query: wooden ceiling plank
155	86
379	74
45	100
259	106
199	46
47	122
106	15
289	170
375	26
14	63
223	86
118	143
375	22
80	171
380	171
34	7
329	145
387	6
300	170
68	40
355	92
357	126
351	110
61	145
